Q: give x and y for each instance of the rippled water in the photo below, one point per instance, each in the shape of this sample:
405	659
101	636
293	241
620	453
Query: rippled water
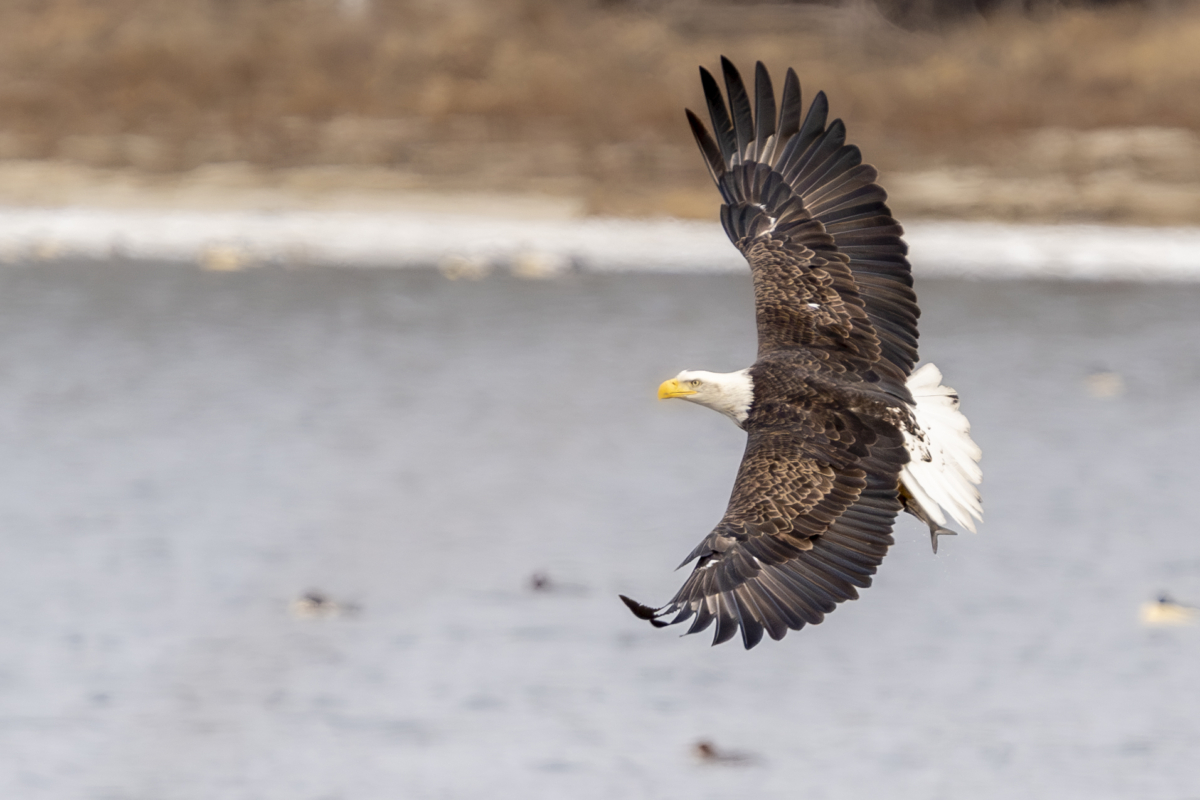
186	453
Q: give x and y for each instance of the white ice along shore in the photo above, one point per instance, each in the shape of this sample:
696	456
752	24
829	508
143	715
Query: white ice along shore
474	244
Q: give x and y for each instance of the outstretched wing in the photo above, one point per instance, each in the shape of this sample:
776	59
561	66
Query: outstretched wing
809	521
829	266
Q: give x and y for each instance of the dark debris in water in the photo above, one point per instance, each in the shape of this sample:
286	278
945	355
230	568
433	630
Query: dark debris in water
708	753
541	582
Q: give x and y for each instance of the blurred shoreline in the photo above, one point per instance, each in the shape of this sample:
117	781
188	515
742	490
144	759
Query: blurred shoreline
1068	115
1114	195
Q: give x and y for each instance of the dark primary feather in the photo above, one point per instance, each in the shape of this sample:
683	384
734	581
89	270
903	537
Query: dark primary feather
789	114
722	125
764	109
739	107
812	508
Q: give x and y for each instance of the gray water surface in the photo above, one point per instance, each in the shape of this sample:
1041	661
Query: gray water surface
185	453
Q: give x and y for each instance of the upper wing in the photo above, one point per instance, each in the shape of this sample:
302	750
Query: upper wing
809	520
828	262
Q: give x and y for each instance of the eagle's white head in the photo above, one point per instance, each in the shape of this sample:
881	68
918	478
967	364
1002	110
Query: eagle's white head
731	393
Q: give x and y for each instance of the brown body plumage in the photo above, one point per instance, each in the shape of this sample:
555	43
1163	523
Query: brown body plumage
813	505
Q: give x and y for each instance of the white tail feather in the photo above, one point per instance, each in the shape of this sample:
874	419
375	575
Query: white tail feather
943	472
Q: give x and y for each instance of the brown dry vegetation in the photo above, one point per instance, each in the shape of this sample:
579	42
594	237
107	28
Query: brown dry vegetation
585	99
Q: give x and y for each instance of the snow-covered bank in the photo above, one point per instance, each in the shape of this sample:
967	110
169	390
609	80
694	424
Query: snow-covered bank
541	247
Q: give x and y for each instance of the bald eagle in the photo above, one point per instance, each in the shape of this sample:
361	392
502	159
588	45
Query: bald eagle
842	433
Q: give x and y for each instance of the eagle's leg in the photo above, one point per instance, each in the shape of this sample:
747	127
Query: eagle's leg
914	508
645	612
936	531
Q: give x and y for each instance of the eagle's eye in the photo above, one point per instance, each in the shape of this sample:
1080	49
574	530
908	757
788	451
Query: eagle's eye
695	383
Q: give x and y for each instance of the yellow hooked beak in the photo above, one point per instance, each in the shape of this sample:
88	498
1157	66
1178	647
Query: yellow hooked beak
672	388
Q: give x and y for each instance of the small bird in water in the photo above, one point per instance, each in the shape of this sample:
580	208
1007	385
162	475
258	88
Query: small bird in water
315	605
707	752
1165	611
